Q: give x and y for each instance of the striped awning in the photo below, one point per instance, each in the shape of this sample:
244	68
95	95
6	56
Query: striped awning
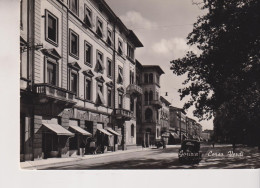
80	130
113	132
58	129
104	131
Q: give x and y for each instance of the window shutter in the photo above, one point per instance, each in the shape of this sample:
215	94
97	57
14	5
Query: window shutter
88	20
101	97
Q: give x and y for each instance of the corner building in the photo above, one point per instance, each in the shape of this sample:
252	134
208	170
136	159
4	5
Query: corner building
77	78
149	127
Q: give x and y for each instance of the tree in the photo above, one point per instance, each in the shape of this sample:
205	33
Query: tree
224	78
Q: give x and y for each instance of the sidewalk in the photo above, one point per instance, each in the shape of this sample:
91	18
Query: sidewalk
33	165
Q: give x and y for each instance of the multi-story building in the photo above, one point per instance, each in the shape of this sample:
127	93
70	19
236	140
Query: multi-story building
77	78
164	116
149	128
178	126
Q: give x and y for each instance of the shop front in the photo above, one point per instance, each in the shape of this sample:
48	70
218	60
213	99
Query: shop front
54	138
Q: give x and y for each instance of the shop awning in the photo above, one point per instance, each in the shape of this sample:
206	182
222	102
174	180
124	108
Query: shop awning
104	131
175	136
58	129
113	132
80	130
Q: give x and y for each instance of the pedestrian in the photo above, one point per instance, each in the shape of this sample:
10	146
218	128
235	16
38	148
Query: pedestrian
82	148
213	144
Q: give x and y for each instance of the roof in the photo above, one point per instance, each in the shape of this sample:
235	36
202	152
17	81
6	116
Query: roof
164	100
134	39
156	67
129	33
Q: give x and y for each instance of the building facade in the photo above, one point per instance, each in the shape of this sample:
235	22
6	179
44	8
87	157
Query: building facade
164	116
77	78
149	127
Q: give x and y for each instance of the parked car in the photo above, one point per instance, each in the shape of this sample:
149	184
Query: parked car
190	153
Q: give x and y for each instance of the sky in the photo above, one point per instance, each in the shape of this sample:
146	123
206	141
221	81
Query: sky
162	26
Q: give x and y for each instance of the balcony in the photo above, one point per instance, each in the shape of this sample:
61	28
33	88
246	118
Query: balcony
49	93
134	89
156	103
121	113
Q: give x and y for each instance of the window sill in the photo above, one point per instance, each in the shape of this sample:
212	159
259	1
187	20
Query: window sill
52	42
88	64
74	56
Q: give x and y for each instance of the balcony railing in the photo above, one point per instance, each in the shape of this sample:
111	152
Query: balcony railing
121	113
134	89
156	103
53	92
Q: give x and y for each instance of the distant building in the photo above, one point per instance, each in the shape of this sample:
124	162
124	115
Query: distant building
164	119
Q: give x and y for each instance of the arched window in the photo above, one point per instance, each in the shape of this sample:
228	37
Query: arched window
150	95
151	78
132	130
148	114
146	78
146	96
132	105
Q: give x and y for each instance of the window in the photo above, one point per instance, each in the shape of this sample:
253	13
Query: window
146	78
148	114
120	75
109	37
150	95
74	6
109	68
132	104
74	44
131	77
74	82
132	130
130	51
109	97
88	16
51	28
99	28
146	98
88	52
100	97
88	88
120	47
99	65
51	73
151	78
120	100
21	14
157	132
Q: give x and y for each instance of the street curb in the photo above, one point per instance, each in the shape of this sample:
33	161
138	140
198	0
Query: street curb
75	159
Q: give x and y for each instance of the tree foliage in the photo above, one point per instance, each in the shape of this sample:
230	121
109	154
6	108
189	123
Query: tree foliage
224	78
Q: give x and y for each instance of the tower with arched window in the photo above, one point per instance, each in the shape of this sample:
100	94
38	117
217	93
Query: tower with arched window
148	126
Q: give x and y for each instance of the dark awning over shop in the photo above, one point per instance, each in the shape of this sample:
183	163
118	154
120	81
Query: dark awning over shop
113	132
80	130
104	131
58	129
175	136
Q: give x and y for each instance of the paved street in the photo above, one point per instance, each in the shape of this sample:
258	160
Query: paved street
218	157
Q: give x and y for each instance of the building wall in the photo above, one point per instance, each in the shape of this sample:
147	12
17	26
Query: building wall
84	111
